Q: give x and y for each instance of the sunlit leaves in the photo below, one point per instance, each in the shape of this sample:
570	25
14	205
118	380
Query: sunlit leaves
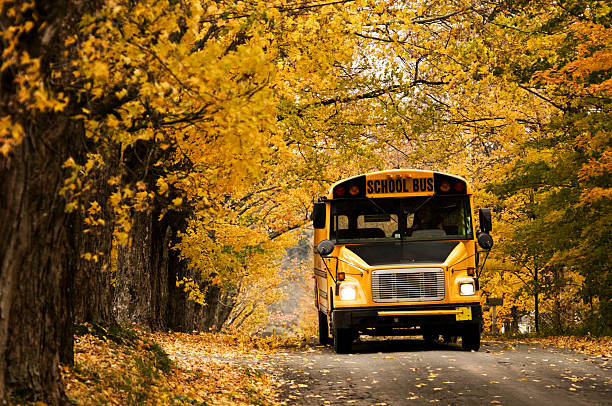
240	114
120	366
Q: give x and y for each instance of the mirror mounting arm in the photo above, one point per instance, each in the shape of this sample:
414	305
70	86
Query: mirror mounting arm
327	267
324	248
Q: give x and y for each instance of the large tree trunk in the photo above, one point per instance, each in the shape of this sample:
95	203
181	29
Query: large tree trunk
147	271
141	288
36	260
92	281
37	252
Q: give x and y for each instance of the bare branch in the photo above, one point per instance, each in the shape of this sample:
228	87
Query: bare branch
533	92
422	20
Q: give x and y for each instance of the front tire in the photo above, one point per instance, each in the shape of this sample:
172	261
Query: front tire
323	329
343	340
470	340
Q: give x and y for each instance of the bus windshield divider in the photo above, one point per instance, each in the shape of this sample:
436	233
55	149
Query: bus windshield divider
380	208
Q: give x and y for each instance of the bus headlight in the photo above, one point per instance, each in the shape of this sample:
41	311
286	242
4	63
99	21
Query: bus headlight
466	289
348	292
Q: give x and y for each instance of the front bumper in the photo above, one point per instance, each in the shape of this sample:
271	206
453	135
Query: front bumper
400	320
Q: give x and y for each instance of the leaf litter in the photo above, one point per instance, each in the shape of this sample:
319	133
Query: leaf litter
174	368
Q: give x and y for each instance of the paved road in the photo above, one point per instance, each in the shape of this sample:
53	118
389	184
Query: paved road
407	372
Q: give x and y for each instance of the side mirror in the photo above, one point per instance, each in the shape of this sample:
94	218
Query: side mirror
485	241
318	215
484	216
325	247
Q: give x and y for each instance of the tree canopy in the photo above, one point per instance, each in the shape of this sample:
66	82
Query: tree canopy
213	125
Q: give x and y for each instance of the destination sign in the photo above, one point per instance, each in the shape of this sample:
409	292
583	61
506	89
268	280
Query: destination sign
377	185
399	183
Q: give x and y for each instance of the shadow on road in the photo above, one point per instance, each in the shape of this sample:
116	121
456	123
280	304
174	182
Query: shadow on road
369	346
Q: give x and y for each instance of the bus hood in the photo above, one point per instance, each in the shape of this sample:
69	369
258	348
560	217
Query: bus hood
403	252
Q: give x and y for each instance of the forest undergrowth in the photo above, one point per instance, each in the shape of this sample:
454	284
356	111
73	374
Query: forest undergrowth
125	366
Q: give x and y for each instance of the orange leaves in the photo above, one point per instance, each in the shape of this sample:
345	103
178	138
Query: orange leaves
597	346
599	165
33	94
593	54
597	193
189	369
11	134
32	91
162	185
192	288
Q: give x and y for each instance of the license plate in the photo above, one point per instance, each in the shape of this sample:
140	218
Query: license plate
466	313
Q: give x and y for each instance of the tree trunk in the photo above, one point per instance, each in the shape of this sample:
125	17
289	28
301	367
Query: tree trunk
186	315
536	300
92	281
147	271
37	253
37	260
141	290
515	318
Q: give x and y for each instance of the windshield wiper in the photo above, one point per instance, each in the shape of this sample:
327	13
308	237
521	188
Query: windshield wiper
422	204
381	209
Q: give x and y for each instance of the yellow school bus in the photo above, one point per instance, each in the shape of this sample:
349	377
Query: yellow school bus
397	253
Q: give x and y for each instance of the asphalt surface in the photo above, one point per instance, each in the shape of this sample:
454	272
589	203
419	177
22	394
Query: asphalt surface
411	372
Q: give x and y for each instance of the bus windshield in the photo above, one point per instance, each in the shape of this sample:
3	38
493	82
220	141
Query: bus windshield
407	218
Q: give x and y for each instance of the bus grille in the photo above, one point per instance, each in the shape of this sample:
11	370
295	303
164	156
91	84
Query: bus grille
408	285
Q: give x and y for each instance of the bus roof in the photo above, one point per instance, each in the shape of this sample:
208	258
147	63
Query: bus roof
366	181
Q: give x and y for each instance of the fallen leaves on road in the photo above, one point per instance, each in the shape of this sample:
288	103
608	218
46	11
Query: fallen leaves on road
131	367
597	346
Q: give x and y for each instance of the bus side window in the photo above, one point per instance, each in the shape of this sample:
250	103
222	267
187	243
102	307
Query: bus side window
410	220
341	225
343	222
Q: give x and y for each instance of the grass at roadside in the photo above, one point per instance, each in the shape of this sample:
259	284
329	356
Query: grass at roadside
130	367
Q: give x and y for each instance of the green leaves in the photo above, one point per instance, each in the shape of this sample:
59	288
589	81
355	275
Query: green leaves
557	201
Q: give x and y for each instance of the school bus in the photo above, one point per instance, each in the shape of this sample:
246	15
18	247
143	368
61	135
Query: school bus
397	253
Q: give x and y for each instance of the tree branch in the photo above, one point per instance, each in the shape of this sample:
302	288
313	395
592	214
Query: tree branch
421	20
533	92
